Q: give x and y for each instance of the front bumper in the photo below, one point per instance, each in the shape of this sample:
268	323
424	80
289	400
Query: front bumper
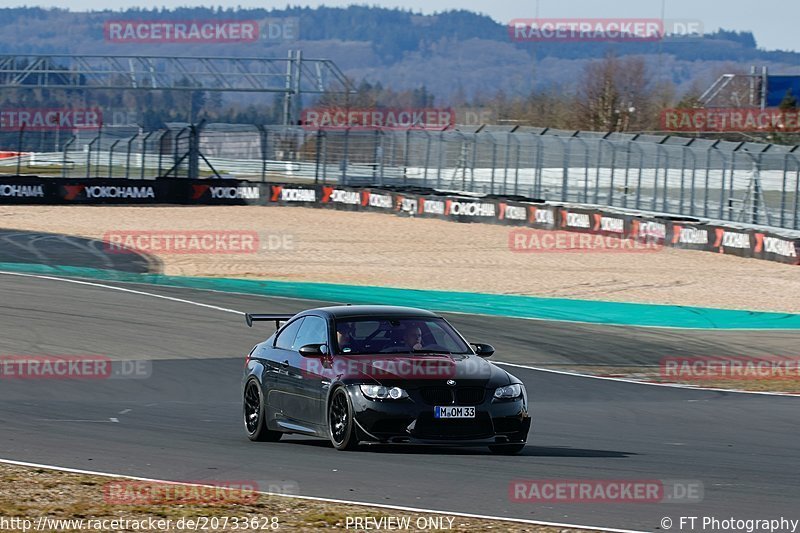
412	421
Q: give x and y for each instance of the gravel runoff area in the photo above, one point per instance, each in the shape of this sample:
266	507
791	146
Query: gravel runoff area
307	244
51	500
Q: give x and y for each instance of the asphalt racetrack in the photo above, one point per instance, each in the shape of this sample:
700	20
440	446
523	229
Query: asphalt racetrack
184	421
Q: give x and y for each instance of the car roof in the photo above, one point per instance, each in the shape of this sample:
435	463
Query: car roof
350	311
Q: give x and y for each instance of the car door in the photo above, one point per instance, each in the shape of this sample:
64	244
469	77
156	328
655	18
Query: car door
282	356
309	381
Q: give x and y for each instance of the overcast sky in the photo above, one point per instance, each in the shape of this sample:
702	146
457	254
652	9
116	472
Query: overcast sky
774	22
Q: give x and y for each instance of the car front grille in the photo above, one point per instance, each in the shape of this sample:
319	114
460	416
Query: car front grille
437	395
450	395
470	395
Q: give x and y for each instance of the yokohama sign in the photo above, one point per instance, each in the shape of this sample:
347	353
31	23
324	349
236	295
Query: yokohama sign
731	239
22	191
281	193
512	212
689	235
432	207
470	209
541	217
380	201
221	192
100	192
333	195
576	220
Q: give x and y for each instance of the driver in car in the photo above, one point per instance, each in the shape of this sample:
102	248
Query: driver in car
413	338
344	336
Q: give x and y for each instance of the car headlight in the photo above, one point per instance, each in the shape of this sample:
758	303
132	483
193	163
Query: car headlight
508	392
379	392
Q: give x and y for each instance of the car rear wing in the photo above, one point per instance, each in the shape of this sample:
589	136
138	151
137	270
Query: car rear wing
253	317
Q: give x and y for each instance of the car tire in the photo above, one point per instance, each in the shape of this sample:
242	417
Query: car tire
507	449
253	409
341	424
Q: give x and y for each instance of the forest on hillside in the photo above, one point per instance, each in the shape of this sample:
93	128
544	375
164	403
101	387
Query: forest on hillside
398	58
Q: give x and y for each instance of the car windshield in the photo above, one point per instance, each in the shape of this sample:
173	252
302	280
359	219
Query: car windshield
397	335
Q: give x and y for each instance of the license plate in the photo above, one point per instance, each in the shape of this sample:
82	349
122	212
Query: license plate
452	411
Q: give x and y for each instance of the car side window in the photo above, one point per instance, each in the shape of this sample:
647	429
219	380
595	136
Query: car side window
287	335
313	331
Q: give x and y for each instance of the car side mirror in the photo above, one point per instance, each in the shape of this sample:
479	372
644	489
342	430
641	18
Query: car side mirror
314	350
483	350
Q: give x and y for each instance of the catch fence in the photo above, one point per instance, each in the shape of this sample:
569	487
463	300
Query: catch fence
744	182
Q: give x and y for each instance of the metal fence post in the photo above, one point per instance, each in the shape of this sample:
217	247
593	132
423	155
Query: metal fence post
111	158
144	151
681	194
317	151
517	151
474	159
711	149
406	157
19	149
161	151
657	168
343	179
263	135
565	170
506	157
177	157
639	178
380	150
627	174
89	157
427	157
442	149
598	168
665	197
64	159
494	160
537	172
324	157
128	156
574	138
375	150
393	151
722	185
612	168
99	150
692	182
756	187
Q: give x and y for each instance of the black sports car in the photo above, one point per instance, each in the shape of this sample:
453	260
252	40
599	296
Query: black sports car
386	374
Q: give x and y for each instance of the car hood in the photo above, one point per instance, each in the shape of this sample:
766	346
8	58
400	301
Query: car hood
417	369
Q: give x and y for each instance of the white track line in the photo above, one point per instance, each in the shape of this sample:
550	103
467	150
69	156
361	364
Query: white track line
329	500
122	289
626	380
227	310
